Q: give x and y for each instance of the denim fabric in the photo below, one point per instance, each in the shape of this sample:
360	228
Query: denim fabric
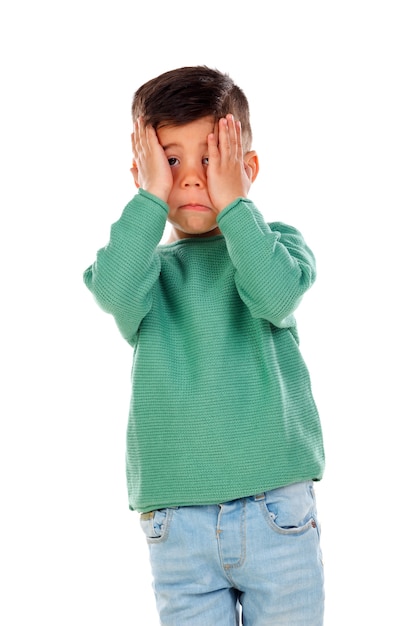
258	557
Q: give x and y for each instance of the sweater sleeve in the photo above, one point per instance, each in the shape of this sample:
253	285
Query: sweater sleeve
126	269
274	266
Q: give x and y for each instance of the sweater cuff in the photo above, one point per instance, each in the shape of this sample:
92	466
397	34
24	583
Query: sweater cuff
145	213
230	207
241	217
142	193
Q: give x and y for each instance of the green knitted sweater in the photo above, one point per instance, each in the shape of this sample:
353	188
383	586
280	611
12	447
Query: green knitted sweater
221	403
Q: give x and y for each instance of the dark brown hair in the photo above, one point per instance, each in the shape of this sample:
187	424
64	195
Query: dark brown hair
187	94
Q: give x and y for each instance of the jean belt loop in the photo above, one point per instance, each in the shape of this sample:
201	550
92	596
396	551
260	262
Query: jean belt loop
259	496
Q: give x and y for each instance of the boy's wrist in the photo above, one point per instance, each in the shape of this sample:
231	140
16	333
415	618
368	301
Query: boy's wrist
158	193
229	206
148	194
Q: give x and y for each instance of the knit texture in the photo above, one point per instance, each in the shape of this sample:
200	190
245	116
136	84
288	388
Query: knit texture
221	404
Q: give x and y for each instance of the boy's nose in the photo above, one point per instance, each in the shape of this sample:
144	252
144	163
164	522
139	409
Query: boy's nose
193	178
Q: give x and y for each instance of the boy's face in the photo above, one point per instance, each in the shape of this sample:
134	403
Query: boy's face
190	210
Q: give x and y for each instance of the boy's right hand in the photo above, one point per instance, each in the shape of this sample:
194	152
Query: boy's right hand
151	169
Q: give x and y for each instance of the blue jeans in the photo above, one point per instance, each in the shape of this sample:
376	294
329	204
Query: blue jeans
259	556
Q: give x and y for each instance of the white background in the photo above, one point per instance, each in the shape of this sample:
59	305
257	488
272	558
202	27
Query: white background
332	87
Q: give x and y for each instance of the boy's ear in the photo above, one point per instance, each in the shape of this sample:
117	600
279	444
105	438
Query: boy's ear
134	172
251	164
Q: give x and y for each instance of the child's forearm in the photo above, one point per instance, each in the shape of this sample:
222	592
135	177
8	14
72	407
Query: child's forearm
274	267
122	276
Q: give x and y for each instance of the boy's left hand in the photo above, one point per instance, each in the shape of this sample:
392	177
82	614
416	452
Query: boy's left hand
228	175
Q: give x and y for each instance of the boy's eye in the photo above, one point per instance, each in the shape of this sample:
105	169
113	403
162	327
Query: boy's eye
205	161
173	161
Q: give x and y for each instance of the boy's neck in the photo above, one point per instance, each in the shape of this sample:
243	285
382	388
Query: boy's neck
177	235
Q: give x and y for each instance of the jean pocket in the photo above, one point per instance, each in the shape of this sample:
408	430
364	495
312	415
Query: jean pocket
155	524
291	509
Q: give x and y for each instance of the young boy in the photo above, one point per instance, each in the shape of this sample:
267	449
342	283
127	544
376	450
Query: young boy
224	439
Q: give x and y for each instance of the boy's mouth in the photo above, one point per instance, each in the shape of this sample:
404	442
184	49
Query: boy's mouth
195	207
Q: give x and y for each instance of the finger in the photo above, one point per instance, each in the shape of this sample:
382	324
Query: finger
134	172
213	149
238	134
235	137
142	133
231	126
136	134
135	151
224	139
152	138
